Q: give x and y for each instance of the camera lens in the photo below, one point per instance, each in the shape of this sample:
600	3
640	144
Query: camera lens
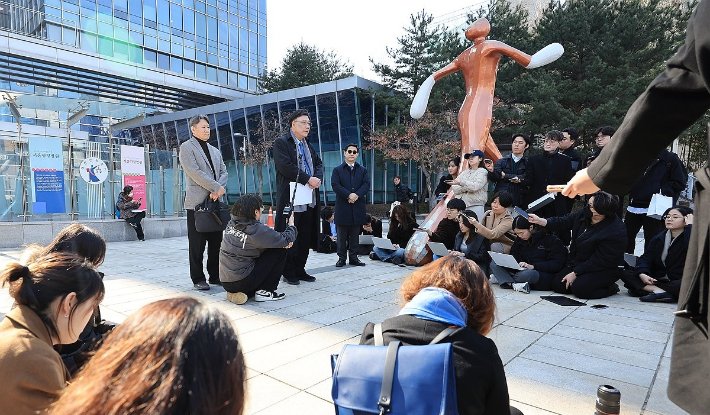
608	400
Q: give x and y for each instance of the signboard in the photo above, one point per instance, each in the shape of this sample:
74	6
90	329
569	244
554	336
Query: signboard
47	165
93	170
133	171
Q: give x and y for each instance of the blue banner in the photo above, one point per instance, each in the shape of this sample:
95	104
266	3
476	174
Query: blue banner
47	164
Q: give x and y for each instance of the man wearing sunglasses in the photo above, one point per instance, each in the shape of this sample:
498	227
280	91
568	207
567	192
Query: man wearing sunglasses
350	183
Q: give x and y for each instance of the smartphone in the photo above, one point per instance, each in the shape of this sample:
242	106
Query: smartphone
521	212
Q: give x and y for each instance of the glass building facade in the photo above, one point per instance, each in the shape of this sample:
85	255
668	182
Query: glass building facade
220	41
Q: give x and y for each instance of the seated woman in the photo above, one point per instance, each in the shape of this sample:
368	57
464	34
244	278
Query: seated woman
401	228
657	275
497	223
453	292
328	237
448	228
597	249
126	206
56	296
373	227
469	244
252	256
541	254
471	185
174	356
453	170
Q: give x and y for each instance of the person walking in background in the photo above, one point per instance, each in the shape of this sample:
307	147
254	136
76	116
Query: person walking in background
471	185
296	160
253	256
350	183
205	175
174	356
509	172
127	205
402	192
453	172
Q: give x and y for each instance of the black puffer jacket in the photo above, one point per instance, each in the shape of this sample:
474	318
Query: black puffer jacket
594	248
544	251
243	242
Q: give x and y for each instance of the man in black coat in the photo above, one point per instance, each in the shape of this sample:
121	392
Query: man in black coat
402	192
297	161
509	172
549	168
666	175
674	100
350	183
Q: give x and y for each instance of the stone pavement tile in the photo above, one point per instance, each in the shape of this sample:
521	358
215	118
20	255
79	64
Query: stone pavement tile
565	391
506	308
658	401
632	303
354	308
530	410
264	391
376	290
511	341
605	327
606	352
357	323
614	340
275	333
615	310
570	359
146	292
250	373
322	390
533	297
255	321
329	301
540	317
355	286
302	403
309	370
628	322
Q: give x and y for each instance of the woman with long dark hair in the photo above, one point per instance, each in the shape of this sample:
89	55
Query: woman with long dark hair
401	228
175	356
453	172
55	296
470	244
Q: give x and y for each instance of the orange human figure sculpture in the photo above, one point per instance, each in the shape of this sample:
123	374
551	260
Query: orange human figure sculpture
478	64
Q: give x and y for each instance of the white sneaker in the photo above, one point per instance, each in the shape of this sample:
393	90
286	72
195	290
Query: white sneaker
522	287
492	279
263	295
237	298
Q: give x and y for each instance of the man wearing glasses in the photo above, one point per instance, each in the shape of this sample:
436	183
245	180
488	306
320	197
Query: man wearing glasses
297	161
548	168
350	183
602	137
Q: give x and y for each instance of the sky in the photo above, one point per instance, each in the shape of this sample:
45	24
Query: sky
354	30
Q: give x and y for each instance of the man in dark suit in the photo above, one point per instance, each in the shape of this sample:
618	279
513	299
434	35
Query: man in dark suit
350	183
548	168
674	100
297	161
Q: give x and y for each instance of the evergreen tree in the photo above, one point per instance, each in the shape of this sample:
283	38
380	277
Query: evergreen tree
305	65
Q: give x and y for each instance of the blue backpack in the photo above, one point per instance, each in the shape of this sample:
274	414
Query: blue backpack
118	212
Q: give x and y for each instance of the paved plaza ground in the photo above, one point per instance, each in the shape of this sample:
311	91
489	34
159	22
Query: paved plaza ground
555	357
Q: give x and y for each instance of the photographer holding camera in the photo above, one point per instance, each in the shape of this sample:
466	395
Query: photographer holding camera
297	161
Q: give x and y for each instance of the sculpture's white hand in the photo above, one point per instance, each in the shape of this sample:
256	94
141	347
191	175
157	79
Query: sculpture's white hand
548	54
422	98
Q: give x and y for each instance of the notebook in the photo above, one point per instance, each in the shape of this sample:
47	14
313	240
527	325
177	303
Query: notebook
366	240
438	248
505	260
383	243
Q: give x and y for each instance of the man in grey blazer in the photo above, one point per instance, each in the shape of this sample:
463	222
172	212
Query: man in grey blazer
206	175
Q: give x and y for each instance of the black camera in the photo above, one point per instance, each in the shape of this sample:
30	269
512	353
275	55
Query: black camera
608	400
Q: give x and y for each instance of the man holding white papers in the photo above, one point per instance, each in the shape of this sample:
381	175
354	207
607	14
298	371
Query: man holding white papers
297	161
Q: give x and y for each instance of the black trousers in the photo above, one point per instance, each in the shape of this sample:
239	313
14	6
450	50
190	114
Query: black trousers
633	222
634	284
348	241
297	255
196	250
135	223
590	286
265	275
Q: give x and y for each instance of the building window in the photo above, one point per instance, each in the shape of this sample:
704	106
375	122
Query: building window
163	61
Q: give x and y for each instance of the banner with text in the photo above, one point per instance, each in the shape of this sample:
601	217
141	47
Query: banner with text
133	171
47	165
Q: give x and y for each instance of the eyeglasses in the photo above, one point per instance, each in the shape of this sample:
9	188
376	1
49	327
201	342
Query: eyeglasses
551	140
672	217
308	123
451	210
351	151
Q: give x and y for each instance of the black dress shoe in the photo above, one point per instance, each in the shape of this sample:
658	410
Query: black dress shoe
202	286
663	297
307	278
357	263
292	282
340	263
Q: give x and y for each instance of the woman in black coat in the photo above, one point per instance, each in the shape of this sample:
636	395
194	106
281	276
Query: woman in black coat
453	169
657	275
471	245
597	249
457	293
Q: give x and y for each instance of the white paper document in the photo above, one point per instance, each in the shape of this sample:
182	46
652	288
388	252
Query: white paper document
304	194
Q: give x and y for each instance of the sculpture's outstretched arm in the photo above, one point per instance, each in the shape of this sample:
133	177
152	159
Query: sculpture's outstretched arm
421	99
548	54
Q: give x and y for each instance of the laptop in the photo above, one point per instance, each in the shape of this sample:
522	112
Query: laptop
505	261
366	240
383	243
438	248
630	259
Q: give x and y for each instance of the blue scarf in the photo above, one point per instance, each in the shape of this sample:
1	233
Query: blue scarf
436	304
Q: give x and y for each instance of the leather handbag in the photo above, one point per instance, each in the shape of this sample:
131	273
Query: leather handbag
395	379
211	216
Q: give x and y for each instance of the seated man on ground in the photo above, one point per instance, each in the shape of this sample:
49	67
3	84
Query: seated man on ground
328	237
448	228
541	254
372	227
401	228
657	275
252	256
596	251
469	244
497	223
